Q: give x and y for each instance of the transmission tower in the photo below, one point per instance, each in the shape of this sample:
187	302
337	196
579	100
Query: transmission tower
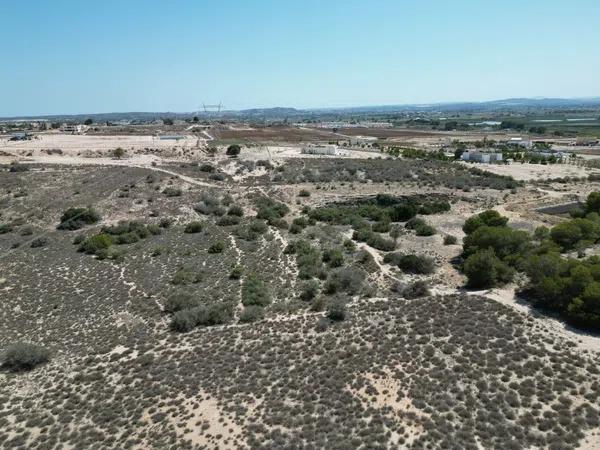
212	108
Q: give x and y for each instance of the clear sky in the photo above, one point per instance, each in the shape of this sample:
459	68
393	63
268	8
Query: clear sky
62	56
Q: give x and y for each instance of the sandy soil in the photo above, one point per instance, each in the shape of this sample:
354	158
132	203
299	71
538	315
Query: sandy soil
68	142
536	171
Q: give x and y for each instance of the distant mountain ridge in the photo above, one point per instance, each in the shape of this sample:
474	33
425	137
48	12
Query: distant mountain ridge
282	112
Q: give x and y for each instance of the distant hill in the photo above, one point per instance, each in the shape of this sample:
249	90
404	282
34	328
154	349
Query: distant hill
511	104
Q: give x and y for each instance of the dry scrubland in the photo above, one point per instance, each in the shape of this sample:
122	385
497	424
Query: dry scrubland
225	304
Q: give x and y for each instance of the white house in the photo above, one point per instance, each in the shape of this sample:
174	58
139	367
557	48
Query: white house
481	157
519	141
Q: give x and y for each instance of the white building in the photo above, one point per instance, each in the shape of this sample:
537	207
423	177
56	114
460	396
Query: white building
331	150
481	157
362	140
520	142
73	129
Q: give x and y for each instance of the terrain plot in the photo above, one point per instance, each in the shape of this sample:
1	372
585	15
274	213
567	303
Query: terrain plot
272	302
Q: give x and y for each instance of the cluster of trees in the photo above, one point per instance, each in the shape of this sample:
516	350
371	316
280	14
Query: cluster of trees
512	125
493	252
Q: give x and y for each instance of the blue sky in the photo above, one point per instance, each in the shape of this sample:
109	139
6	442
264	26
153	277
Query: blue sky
64	56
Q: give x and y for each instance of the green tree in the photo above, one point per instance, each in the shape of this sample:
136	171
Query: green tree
592	203
485	270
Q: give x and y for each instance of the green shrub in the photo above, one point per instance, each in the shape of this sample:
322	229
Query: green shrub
383	226
5	228
166	222
309	290
23	356
206	168
194	227
76	218
93	244
236	273
217	247
450	240
228	221
380	243
187	319
414	290
255	292
172	192
346	279
271	210
416	264
186	276
252	313
236	210
179	301
15	167
317	304
425	230
336	312
39	242
304	193
334	257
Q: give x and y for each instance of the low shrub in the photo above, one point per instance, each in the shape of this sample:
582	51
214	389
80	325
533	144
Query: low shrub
76	218
186	276
172	192
15	167
217	247
414	290
187	319
207	168
309	290
450	240
255	291
24	356
252	313
346	279
304	193
6	228
39	242
336	311
226	221
93	244
236	273
236	210
416	264
179	301
333	257
194	227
